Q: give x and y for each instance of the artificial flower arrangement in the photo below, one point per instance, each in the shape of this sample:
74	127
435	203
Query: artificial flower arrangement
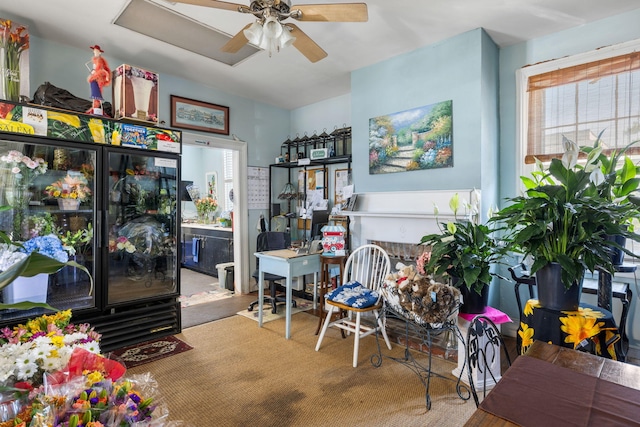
75	241
24	168
44	344
70	187
206	205
121	243
56	376
14	39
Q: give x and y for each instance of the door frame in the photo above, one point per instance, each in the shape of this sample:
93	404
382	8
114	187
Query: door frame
240	208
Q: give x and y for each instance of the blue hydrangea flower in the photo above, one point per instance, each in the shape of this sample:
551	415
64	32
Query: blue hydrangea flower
50	246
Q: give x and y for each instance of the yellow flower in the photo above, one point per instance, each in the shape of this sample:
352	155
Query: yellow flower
94	377
530	305
579	328
57	340
526	335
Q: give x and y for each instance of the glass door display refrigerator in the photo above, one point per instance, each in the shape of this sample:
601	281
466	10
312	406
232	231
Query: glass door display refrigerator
141	224
107	192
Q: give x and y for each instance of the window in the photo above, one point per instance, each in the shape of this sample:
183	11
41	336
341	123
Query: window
578	98
228	180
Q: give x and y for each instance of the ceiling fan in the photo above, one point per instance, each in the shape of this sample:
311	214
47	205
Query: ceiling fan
272	33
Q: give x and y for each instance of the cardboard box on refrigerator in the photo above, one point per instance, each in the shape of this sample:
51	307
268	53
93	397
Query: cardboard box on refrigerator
135	94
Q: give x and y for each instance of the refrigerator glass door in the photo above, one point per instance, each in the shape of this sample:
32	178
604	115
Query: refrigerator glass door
49	190
142	229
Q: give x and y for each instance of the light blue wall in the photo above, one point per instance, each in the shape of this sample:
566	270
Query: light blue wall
450	70
322	116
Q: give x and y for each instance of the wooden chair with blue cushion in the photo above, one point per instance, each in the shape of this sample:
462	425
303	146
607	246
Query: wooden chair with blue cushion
364	273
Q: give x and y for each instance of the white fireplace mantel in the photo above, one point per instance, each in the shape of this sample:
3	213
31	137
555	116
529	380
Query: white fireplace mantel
402	216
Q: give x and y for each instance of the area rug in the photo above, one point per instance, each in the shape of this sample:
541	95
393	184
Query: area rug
268	316
203	297
150	351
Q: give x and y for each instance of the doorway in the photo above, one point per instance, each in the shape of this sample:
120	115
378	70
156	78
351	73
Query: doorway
240	210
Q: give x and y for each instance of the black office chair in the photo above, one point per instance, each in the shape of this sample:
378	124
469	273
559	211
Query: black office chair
521	276
270	241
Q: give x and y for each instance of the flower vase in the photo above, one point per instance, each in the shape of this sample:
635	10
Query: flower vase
32	289
11	74
141	96
19	197
68	204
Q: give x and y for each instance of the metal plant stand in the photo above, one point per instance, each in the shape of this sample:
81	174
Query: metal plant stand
425	332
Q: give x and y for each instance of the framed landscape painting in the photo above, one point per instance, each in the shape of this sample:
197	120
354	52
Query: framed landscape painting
416	139
198	115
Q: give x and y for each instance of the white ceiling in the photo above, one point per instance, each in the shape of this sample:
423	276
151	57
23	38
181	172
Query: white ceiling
288	79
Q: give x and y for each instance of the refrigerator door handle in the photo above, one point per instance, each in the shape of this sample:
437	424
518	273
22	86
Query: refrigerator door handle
98	235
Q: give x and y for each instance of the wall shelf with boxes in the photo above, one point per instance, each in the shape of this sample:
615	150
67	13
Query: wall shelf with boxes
309	156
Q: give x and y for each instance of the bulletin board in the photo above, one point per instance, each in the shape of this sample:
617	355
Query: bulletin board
312	183
258	191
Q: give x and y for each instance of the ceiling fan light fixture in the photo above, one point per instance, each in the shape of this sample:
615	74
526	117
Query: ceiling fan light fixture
254	33
286	39
272	28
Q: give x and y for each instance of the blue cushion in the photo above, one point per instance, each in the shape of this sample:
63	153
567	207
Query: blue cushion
353	294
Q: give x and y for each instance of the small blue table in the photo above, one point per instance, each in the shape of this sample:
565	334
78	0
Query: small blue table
289	264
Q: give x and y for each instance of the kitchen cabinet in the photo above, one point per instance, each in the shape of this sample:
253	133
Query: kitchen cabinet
206	246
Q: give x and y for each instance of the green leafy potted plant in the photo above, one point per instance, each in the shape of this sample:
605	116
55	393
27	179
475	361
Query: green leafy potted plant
617	182
561	222
464	250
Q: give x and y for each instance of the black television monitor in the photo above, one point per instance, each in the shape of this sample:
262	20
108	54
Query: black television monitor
184	194
318	220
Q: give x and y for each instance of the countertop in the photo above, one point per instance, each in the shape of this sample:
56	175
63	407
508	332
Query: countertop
206	226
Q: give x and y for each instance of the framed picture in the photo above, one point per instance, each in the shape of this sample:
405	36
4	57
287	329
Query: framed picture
211	178
197	115
416	139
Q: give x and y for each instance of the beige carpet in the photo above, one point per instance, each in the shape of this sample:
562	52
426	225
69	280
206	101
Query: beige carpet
268	316
241	375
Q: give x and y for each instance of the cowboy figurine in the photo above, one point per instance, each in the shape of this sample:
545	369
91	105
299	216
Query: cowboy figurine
100	77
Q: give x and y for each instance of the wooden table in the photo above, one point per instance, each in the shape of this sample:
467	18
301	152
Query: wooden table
289	264
593	366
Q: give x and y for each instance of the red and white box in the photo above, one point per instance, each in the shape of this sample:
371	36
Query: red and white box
135	94
333	240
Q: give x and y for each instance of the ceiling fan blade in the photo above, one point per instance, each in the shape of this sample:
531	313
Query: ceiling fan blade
236	42
305	45
213	3
341	12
